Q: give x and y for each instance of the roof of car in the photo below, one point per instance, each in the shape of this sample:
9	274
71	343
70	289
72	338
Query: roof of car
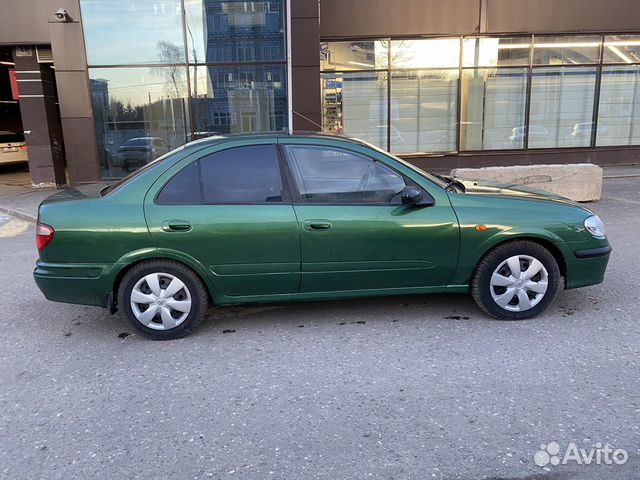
221	138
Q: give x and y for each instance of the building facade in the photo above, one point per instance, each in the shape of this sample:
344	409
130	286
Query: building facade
109	85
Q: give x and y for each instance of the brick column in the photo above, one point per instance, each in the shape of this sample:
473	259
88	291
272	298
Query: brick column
305	65
40	121
67	45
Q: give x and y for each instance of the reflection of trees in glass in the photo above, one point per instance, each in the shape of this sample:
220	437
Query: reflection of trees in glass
173	70
120	112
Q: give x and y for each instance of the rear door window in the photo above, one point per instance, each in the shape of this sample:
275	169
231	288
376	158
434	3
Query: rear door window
183	188
242	175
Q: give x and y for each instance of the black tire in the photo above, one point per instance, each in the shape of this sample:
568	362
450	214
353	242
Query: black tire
194	288
481	288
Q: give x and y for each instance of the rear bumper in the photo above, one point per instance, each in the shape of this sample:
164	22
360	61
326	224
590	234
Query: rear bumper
83	284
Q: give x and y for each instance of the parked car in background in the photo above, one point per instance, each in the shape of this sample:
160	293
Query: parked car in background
537	133
277	217
139	151
13	148
580	135
380	132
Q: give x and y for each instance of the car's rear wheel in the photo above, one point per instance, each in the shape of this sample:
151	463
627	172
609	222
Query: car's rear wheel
163	299
516	280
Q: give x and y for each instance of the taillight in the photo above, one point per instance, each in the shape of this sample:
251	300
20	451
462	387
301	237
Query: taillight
44	235
23	147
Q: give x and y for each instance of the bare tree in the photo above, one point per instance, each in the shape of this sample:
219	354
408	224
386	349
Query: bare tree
172	58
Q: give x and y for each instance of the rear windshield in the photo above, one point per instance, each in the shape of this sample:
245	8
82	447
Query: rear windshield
11	137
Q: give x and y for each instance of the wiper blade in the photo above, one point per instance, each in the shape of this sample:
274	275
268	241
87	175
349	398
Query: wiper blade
106	190
452	181
449	181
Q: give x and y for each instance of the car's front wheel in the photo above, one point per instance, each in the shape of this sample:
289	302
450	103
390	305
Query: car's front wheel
163	299
516	280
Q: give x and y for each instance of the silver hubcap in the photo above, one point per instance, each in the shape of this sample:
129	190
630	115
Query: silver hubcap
519	283
160	301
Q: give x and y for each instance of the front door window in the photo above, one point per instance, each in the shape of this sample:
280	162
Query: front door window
331	175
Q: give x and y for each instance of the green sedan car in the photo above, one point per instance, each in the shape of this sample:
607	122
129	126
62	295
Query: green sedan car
278	217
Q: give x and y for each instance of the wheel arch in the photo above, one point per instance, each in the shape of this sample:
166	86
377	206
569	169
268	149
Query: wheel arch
545	242
131	260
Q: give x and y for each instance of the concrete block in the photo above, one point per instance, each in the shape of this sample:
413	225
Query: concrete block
581	182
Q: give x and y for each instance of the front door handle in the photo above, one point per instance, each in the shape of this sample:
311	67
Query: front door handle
314	225
176	226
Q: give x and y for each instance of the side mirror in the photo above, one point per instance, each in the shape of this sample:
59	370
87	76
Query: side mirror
411	196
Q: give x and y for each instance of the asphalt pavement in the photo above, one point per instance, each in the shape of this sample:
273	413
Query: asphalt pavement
392	388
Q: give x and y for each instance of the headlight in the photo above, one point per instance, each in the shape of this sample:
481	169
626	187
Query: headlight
594	226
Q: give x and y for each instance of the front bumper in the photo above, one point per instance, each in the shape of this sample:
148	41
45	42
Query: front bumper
587	267
83	284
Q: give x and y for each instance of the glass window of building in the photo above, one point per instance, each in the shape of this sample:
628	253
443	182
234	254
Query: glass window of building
431	53
621	49
237	99
619	109
235	31
496	51
493	107
566	50
122	32
358	55
355	104
423	111
139	114
562	100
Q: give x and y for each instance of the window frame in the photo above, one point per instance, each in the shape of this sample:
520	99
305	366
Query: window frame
286	193
297	197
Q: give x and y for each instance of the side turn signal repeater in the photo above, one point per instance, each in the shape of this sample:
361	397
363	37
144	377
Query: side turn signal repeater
481	228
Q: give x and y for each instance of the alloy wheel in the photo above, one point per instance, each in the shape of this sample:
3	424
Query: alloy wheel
519	283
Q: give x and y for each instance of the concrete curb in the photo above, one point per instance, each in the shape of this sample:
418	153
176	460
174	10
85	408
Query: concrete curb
625	175
16	213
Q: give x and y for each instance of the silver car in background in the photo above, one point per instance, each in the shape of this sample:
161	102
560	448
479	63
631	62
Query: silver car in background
13	148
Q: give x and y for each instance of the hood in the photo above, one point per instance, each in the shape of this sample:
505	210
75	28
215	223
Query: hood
512	190
91	190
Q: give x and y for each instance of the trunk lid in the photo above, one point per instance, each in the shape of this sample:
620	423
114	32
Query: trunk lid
83	192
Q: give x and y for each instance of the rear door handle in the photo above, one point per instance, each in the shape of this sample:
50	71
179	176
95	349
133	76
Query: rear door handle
314	225
176	226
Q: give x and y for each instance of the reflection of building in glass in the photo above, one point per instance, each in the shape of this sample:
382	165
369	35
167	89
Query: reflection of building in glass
100	103
236	97
242	99
227	75
238	31
136	118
